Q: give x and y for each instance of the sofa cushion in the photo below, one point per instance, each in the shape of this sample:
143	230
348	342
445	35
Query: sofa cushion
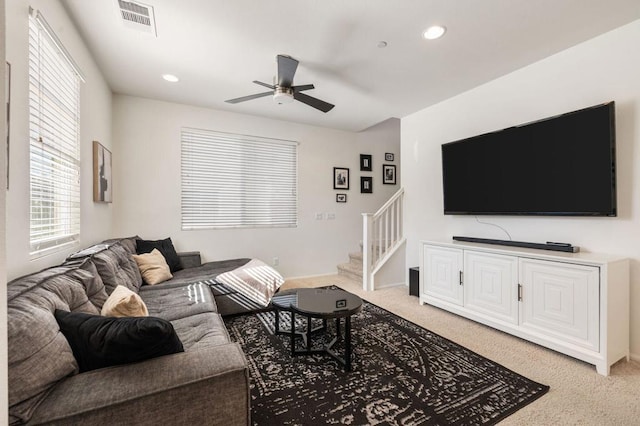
199	331
174	302
129	243
89	251
153	267
124	303
95	289
206	271
52	286
256	280
116	267
165	247
39	355
99	342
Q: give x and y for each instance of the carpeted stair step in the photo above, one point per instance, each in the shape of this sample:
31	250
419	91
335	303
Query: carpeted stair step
351	271
356	258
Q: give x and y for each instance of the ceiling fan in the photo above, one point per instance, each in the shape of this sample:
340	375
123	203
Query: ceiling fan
283	90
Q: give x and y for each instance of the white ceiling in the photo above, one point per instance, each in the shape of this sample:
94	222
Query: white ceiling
218	47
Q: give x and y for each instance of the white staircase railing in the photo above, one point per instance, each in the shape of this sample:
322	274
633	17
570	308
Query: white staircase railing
382	235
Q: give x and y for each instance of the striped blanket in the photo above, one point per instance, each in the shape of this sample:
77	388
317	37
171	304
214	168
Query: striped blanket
255	280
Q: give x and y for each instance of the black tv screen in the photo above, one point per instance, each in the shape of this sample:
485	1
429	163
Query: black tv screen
559	166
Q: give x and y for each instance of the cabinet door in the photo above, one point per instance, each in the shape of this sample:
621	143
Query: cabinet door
561	300
443	274
491	285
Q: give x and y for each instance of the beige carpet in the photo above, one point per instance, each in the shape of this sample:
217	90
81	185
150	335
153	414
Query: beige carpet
578	395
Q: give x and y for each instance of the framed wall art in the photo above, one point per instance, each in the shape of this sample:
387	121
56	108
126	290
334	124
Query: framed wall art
366	185
388	174
341	198
7	94
340	178
365	163
102	181
388	156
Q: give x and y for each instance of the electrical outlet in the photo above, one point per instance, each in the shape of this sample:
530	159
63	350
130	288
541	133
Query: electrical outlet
276	261
319	216
331	216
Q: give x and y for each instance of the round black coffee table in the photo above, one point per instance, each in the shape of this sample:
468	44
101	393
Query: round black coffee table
323	304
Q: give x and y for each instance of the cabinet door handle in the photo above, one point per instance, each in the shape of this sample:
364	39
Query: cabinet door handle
460	276
519	292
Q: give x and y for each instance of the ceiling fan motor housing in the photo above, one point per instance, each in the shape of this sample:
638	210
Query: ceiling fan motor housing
283	95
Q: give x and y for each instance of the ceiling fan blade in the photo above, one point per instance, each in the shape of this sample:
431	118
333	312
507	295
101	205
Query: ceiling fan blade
248	98
264	84
313	102
286	70
303	87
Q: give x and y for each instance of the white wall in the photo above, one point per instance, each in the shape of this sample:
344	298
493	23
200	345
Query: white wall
377	140
602	69
4	397
146	165
95	120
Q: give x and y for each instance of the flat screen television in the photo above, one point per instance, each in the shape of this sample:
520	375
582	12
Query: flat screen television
559	166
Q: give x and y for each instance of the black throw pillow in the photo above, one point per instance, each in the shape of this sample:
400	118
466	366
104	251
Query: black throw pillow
165	247
99	341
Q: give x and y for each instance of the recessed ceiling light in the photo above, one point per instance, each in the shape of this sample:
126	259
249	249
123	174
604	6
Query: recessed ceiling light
171	78
382	44
434	32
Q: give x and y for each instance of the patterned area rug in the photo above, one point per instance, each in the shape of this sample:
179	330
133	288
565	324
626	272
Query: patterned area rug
402	374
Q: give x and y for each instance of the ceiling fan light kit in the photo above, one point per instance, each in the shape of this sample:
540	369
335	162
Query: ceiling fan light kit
283	95
284	91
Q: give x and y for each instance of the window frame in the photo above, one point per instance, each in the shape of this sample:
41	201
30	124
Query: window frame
54	142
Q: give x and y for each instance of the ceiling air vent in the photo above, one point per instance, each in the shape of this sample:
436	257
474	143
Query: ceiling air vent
138	16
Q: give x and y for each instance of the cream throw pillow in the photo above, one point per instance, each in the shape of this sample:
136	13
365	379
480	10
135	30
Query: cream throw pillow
153	267
124	303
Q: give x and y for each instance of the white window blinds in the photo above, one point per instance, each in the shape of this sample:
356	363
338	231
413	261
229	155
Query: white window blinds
54	123
231	181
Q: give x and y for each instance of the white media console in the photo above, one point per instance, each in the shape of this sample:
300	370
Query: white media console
574	303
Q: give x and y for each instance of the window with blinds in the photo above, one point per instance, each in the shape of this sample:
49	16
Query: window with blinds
54	124
233	181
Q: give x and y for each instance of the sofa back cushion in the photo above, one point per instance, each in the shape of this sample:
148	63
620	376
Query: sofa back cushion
116	267
87	252
39	355
96	292
129	243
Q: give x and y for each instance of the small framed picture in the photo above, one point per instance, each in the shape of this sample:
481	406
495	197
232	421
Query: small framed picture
340	178
341	198
341	304
388	174
388	156
365	163
366	185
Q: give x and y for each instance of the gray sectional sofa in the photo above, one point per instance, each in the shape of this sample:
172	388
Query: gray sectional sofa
208	383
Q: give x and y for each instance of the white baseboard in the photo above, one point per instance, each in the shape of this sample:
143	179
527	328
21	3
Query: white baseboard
302	277
379	287
634	357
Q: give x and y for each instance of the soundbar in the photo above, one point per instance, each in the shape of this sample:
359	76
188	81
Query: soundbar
566	247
